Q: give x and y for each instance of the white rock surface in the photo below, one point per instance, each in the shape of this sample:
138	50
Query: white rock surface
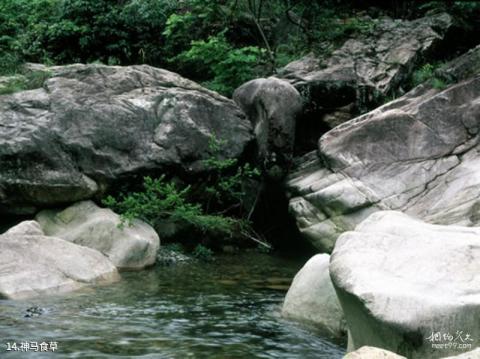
474	354
86	224
419	154
26	228
312	299
399	280
33	264
367	352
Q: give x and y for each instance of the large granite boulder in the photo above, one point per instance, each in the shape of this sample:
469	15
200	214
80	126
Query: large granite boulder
32	264
367	352
312	300
91	125
363	72
272	105
474	354
408	286
133	246
418	154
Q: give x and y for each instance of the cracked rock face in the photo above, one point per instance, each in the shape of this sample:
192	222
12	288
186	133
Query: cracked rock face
34	264
399	280
379	60
92	124
363	72
418	154
130	247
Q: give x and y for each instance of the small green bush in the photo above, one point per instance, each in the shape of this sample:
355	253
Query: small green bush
163	200
202	253
224	186
29	81
215	207
423	74
428	73
10	63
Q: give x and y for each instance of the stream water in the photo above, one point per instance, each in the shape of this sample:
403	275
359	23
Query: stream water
225	309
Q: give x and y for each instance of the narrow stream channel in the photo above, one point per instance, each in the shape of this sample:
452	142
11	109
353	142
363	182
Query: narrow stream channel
225	309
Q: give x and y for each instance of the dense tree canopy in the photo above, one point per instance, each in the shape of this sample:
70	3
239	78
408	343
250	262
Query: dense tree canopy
221	43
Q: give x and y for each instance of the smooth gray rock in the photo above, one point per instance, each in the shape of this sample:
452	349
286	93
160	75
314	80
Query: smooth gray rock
272	105
418	154
91	125
312	299
131	247
399	280
368	352
33	264
474	354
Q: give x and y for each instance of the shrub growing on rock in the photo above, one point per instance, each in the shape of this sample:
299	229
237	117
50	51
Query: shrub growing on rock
163	200
428	73
215	206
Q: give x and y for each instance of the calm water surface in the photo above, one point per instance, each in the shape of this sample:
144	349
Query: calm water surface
226	309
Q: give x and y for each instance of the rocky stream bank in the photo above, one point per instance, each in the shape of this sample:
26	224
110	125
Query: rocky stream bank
383	180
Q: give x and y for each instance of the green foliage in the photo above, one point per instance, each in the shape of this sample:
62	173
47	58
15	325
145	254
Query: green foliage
428	73
193	20
202	253
324	26
218	43
224	185
335	29
10	63
28	81
15	17
163	200
66	31
261	248
174	247
211	213
196	45
438	83
423	74
228	67
177	30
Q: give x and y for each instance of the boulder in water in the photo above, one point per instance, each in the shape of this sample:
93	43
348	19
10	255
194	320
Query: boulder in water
34	264
128	246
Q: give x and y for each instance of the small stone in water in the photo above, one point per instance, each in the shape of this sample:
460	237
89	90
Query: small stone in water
34	312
